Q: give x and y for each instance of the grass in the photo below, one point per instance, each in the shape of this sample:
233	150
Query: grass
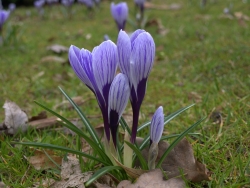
204	58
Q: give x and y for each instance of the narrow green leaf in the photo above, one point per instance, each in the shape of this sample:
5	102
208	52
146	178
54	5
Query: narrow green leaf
84	119
78	131
125	125
139	155
101	172
55	147
167	118
176	141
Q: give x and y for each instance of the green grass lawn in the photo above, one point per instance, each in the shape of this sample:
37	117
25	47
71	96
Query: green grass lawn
203	59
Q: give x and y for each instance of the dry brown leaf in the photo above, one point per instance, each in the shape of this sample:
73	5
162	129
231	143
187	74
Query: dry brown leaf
66	104
2	185
55	59
57	48
41	161
153	179
44	123
15	119
71	174
180	161
45	183
41	115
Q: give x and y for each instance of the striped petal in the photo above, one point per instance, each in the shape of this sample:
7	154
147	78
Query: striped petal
142	58
118	99
105	60
81	62
3	16
124	52
157	125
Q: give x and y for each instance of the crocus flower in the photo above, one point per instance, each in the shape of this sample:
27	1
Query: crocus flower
97	71
12	7
156	129
120	14
88	3
136	56
118	99
39	4
67	3
4	14
157	125
140	4
50	2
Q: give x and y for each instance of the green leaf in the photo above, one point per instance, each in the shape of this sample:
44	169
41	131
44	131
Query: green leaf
125	125
167	118
176	141
138	154
78	131
90	129
51	146
101	172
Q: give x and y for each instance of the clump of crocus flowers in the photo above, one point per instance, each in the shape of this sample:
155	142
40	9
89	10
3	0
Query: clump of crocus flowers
134	56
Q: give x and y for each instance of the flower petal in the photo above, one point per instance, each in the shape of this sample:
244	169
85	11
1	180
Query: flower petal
124	52
157	125
105	60
142	57
119	13
81	62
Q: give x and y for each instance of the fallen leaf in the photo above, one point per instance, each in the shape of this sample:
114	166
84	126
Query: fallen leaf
58	48
153	179
45	183
71	174
44	123
41	115
40	160
240	15
194	96
180	161
15	119
2	185
55	59
67	105
161	30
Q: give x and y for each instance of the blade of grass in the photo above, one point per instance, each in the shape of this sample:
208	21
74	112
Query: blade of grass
84	119
78	131
101	172
177	140
125	125
55	147
138	154
167	118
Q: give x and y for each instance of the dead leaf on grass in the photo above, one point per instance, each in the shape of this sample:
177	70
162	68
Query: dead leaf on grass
71	174
55	59
57	48
153	179
45	183
2	185
15	119
67	105
161	30
44	123
41	115
40	160
180	161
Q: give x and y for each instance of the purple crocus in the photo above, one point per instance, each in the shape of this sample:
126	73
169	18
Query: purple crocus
88	3
12	7
136	57
4	14
97	71
140	4
118	99
120	14
39	4
52	1
157	125
67	3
